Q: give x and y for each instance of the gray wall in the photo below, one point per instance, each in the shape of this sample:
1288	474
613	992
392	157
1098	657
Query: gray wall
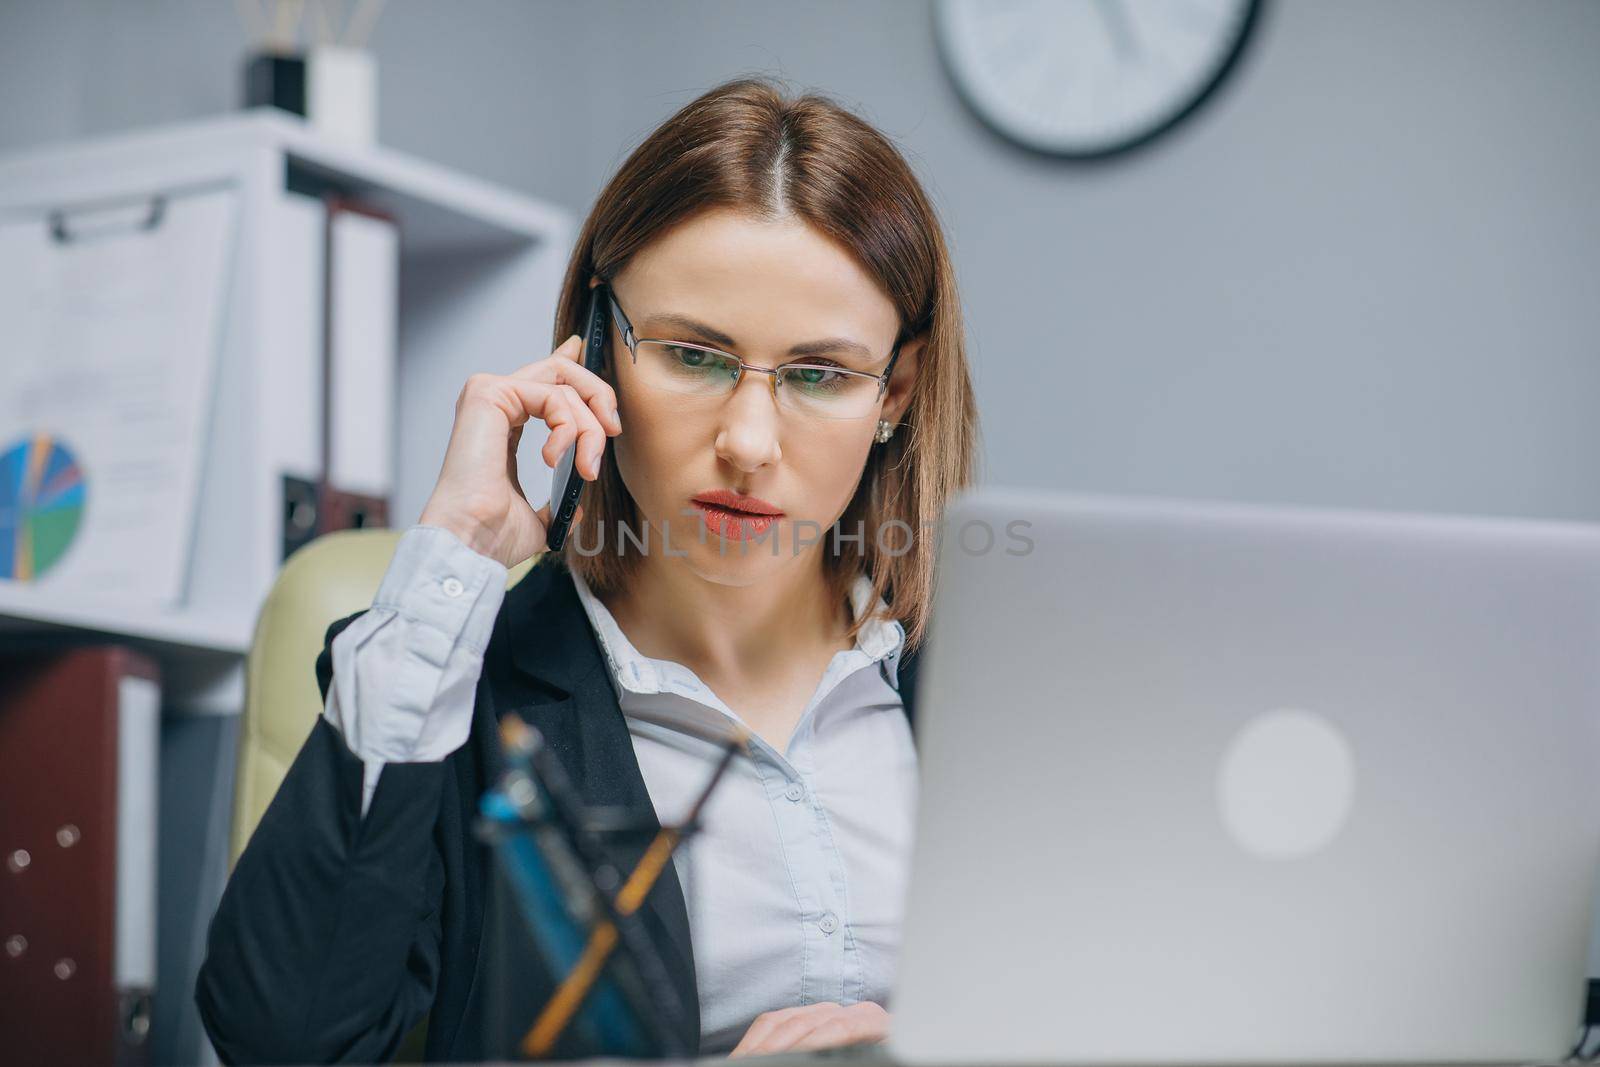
1363	277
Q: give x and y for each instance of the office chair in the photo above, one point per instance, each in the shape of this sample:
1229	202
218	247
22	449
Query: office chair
331	577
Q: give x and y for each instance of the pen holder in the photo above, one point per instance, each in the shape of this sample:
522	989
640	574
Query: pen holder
571	970
539	923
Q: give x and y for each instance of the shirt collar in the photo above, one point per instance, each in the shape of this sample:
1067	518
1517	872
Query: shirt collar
881	639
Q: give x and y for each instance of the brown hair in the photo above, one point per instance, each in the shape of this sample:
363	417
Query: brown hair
746	145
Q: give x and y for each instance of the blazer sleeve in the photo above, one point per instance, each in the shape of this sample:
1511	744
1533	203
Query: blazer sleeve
325	946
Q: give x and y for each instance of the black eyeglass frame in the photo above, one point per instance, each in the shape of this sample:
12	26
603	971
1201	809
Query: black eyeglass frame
626	326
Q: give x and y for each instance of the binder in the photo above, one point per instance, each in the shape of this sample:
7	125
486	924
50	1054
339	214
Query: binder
79	748
340	344
361	315
292	383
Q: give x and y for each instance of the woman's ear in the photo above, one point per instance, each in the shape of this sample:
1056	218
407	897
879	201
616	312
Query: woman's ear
897	398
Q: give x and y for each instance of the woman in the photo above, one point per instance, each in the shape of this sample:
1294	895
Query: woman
750	232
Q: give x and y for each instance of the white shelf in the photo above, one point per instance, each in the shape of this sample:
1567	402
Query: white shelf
439	209
22	610
480	265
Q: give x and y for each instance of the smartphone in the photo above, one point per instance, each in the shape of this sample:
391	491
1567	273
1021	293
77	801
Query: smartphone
566	484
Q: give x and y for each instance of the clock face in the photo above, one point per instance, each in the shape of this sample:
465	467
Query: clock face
1088	78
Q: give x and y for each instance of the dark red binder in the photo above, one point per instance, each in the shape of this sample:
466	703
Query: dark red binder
72	990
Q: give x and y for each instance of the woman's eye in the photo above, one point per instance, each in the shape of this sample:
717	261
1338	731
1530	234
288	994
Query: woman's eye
816	380
692	357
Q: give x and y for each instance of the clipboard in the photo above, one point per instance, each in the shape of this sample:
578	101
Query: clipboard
111	316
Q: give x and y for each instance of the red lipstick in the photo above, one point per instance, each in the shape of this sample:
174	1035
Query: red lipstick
735	516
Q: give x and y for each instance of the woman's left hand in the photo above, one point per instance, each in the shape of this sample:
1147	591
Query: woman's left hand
814	1026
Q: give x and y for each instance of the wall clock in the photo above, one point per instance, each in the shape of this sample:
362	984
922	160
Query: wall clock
1085	79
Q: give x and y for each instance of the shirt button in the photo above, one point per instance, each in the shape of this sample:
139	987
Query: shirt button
453	587
828	923
794	792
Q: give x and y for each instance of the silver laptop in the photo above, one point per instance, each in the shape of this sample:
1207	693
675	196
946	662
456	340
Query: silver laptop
1208	783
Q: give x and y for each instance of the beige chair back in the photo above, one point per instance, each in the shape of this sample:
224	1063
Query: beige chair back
327	579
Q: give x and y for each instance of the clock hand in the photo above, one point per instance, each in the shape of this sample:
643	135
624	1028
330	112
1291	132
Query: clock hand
1118	28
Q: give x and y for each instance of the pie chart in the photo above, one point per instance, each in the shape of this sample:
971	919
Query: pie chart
42	493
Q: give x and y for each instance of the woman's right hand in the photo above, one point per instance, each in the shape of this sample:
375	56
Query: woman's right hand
477	496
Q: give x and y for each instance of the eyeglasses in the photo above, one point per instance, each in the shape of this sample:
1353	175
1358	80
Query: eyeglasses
813	389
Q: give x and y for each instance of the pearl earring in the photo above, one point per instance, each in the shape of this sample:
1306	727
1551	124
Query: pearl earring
885	431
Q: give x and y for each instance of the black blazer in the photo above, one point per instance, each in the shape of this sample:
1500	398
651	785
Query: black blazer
336	934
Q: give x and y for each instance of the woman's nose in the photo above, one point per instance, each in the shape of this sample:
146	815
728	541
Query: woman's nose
747	431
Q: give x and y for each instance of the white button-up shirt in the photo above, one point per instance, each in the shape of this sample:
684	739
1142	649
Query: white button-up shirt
795	883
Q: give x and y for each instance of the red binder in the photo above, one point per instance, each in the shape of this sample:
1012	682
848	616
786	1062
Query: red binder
79	737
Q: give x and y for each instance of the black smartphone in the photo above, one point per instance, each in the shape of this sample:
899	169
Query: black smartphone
566	484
